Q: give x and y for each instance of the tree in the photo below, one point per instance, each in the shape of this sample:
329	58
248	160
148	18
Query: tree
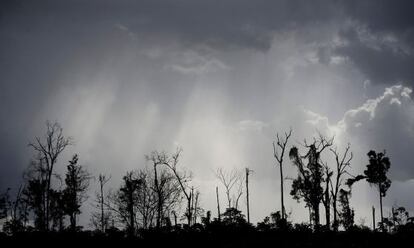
48	149
183	180
166	186
147	199
278	152
100	218
36	190
307	185
230	180
233	217
376	174
342	164
14	211
127	199
326	199
346	213
74	194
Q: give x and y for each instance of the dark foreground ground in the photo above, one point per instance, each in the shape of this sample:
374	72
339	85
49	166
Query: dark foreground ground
212	240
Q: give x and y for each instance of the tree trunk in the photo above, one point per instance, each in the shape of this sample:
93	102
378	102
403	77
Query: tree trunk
102	210
335	217
247	195
327	206
281	193
373	218
380	195
218	205
316	215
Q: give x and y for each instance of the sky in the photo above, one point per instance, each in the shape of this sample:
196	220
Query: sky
217	78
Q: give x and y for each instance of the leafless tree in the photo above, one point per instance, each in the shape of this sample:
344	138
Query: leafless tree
233	185
167	188
147	200
218	204
49	148
342	164
248	171
100	218
182	178
279	149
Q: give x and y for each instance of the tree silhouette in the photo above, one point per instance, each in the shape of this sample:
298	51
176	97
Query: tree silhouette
14	211
307	185
74	194
167	187
127	198
376	174
233	217
346	213
49	148
100	218
183	180
230	179
342	164
326	199
36	190
278	152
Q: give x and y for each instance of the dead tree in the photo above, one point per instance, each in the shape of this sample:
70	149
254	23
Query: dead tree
100	219
218	204
280	145
49	148
168	190
247	194
182	179
342	164
229	181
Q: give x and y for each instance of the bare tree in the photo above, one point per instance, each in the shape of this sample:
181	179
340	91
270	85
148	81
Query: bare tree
247	194
278	152
218	204
168	189
342	164
49	148
230	180
182	177
147	200
100	218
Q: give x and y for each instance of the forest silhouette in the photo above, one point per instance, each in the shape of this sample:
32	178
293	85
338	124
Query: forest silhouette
145	208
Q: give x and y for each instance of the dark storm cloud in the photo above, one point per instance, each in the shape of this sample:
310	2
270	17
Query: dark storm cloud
380	39
231	23
115	72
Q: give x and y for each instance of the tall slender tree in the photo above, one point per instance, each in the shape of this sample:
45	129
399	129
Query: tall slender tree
100	218
342	164
376	174
279	152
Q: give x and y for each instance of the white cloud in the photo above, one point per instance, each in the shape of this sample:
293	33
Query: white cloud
251	125
385	122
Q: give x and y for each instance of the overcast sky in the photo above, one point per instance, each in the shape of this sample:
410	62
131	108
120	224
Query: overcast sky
217	78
